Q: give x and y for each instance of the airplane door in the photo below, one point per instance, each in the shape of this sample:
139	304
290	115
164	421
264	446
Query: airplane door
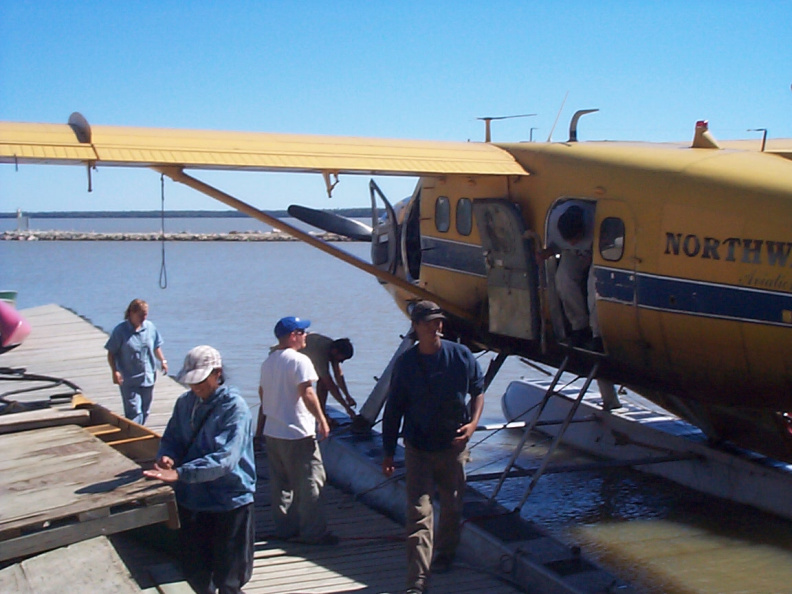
511	269
385	232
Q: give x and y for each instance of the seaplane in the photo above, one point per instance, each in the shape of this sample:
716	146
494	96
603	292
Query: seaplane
691	247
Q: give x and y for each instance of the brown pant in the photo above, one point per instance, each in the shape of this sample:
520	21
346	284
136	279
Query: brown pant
442	472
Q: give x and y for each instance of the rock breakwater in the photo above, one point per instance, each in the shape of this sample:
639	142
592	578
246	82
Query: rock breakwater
156	236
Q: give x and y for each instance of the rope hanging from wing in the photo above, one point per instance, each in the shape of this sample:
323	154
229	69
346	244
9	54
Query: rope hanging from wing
163	277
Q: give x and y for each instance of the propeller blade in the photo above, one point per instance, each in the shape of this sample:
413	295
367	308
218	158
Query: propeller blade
331	222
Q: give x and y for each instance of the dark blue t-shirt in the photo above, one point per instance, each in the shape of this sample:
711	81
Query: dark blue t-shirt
429	392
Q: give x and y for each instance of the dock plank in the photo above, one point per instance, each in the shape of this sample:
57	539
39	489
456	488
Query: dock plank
35	419
88	566
60	484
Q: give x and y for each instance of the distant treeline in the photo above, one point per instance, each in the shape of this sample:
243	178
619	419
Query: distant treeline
357	213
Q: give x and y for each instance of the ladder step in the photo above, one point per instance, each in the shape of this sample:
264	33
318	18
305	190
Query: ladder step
543	467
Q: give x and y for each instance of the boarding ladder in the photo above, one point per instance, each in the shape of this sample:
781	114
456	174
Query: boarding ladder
551	391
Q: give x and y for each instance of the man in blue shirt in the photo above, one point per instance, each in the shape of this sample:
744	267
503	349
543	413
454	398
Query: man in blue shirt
206	452
428	389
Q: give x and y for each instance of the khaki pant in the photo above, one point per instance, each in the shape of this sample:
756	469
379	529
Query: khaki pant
297	477
442	472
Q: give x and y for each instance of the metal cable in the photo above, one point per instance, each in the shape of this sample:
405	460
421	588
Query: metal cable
163	276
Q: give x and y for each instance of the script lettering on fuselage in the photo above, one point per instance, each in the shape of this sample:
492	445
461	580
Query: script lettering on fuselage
758	252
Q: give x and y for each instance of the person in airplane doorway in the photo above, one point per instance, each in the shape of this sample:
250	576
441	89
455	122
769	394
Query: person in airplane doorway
574	277
428	389
294	417
131	351
327	355
206	452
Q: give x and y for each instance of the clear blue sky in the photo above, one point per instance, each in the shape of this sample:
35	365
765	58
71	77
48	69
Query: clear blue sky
411	69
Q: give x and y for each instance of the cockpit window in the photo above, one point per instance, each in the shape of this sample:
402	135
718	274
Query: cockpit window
611	239
442	214
464	216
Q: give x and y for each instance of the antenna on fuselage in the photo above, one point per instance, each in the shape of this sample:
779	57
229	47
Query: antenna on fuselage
488	120
573	124
764	136
558	115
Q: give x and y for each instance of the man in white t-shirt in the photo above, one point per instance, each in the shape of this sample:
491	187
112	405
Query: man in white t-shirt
294	417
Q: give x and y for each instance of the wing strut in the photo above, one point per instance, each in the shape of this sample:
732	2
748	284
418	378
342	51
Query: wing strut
177	174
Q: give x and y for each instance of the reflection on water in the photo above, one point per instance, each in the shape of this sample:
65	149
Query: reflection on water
696	553
664	537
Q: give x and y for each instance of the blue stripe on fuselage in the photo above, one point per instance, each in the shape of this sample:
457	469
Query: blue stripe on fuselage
453	255
689	297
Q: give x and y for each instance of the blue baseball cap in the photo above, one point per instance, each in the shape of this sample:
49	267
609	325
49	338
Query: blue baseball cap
290	324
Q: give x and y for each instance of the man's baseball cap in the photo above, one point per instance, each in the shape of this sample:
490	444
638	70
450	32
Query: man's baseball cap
423	311
290	324
198	364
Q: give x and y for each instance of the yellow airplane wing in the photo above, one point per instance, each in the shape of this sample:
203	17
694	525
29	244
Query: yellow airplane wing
171	151
77	143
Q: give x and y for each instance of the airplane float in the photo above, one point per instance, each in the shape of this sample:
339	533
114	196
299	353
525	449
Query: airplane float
691	251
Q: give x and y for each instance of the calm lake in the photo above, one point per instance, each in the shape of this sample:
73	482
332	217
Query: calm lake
230	294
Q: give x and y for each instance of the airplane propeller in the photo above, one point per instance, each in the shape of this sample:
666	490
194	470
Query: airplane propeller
331	222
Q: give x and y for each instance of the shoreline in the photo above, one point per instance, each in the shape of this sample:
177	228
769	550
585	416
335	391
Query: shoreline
157	236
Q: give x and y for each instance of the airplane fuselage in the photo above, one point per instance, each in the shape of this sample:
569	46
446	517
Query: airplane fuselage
694	297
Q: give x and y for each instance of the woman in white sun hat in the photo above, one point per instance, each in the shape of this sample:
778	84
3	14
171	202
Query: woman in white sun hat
206	452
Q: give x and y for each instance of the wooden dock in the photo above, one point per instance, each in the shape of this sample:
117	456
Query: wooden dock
370	557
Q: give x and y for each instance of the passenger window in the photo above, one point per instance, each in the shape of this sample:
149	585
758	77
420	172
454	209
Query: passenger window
611	239
442	214
464	216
